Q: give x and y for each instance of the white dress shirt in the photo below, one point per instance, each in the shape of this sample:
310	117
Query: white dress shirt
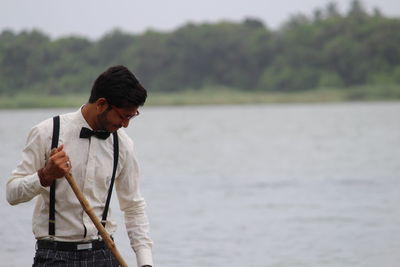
92	164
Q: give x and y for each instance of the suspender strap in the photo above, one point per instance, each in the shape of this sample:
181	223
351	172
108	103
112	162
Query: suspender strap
116	153
54	144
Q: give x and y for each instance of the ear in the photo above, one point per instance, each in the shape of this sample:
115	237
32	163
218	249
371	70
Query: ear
101	105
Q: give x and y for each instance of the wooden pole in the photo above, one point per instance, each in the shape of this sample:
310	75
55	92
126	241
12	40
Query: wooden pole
89	210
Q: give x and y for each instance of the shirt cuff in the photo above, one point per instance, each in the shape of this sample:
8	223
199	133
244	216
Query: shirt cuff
34	182
144	257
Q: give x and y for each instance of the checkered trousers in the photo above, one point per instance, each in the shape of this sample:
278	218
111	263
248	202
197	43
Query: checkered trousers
86	258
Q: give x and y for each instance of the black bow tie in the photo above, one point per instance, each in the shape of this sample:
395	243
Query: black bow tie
87	133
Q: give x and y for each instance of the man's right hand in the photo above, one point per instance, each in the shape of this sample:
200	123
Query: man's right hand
56	167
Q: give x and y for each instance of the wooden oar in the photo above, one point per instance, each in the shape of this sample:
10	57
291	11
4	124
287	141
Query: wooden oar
89	210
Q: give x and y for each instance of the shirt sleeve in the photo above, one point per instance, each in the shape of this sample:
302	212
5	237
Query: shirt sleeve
133	206
24	183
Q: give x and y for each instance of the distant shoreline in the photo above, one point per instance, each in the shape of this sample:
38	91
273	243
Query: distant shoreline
217	96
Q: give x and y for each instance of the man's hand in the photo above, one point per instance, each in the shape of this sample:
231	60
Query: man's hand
56	167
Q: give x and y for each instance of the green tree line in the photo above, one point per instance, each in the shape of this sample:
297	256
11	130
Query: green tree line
326	49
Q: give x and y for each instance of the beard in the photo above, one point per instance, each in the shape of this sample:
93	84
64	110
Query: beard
104	124
102	121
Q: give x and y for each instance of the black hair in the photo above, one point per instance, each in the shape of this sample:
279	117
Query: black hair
119	87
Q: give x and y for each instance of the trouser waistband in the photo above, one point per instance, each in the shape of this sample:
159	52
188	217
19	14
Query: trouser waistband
70	246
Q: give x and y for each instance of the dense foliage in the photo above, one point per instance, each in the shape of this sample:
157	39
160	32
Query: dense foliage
327	49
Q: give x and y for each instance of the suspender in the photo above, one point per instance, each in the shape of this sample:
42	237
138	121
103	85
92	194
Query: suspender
54	144
116	153
52	205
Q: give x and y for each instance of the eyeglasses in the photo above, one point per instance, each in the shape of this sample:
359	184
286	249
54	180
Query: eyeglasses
122	116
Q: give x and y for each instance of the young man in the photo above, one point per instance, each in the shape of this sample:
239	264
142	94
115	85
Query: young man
65	234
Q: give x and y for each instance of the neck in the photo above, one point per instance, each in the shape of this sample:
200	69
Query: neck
89	114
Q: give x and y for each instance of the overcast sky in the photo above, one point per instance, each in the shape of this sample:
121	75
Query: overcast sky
93	18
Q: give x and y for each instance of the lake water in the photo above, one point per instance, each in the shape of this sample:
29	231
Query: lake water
258	186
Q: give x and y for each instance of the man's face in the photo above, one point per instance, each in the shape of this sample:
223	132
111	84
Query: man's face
113	118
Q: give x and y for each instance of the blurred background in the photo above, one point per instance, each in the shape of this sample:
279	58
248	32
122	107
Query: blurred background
270	137
224	52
